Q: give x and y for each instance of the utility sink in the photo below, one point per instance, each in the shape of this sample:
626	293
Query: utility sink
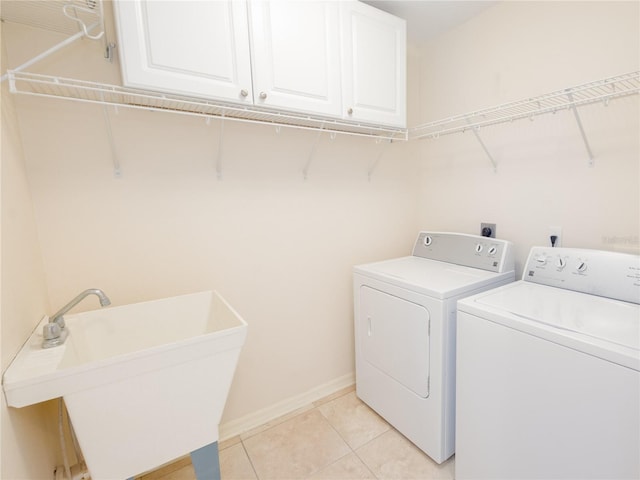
143	383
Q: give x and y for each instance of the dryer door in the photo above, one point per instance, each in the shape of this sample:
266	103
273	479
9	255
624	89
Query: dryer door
395	338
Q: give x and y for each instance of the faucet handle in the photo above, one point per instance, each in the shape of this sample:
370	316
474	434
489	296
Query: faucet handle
53	335
51	331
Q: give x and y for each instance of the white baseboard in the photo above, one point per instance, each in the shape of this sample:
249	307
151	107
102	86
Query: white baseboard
255	419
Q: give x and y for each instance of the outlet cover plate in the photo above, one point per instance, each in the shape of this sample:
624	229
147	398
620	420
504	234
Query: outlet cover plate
491	227
557	232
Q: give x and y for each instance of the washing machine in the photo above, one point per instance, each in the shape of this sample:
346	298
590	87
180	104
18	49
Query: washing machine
548	371
405	328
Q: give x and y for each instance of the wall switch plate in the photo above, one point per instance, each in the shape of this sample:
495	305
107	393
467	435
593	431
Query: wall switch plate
555	236
488	230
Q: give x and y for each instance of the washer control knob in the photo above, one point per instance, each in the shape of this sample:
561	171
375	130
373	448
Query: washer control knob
582	266
479	248
427	240
541	259
493	250
561	263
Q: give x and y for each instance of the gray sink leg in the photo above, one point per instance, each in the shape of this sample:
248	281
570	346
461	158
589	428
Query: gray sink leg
206	462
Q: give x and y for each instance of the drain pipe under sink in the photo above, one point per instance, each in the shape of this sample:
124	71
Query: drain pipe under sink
65	472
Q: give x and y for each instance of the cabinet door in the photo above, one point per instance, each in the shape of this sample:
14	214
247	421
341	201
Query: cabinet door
295	49
187	47
374	65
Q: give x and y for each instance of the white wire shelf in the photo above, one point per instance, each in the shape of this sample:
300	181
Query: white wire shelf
84	91
569	98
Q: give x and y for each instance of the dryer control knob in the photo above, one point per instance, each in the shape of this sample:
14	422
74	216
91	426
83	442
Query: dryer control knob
427	240
493	250
541	259
582	266
479	248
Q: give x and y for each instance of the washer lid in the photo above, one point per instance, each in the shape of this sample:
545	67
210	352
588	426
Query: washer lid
432	277
596	325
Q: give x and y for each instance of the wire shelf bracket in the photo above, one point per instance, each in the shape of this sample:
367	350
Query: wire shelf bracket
218	159
312	153
375	163
220	145
581	128
117	171
484	147
45	54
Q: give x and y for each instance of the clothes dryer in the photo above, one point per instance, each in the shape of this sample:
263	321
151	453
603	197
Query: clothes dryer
405	327
548	371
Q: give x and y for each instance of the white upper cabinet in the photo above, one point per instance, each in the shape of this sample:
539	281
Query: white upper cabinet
340	60
374	65
194	48
295	50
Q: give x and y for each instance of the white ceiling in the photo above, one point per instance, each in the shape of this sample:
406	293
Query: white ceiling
427	19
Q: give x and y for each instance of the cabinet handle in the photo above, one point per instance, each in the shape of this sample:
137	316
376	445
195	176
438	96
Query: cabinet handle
244	93
263	95
350	111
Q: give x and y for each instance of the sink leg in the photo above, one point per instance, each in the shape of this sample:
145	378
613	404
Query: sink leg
206	462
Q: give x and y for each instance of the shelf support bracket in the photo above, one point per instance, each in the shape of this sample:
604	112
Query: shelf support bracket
484	147
580	127
220	144
375	163
117	171
305	170
46	53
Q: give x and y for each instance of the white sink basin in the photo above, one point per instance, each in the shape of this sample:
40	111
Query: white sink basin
144	383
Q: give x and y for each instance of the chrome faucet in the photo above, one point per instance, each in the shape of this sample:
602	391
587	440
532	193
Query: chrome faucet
55	332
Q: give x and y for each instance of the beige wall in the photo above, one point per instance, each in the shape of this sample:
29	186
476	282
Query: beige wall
511	52
28	449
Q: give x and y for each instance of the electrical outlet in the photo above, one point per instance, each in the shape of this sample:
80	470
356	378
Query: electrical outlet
488	230
555	236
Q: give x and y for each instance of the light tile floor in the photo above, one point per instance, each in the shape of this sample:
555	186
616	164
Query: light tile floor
336	438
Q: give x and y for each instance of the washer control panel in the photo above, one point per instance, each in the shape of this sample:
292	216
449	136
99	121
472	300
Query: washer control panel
469	250
597	272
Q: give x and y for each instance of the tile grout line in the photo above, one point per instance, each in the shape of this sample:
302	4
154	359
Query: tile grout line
246	452
354	451
337	432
